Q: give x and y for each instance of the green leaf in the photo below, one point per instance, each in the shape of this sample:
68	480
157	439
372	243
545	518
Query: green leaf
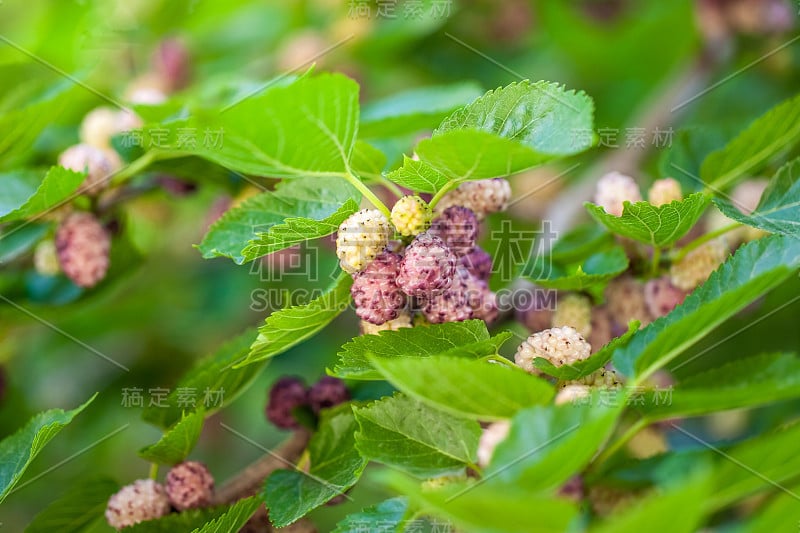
79	507
779	208
19	450
335	467
676	507
548	445
510	129
755	268
408	435
414	110
177	442
597	269
233	519
476	389
658	226
747	382
18	239
580	243
303	129
595	362
384	517
781	510
768	135
26	194
296	211
296	230
209	376
481	508
368	161
463	339
292	325
418	176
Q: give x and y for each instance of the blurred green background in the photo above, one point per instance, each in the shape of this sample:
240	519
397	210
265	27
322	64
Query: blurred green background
163	307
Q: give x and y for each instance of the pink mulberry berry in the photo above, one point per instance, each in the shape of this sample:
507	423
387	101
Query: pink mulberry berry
189	485
375	293
142	500
661	296
481	196
613	190
458	227
450	305
83	245
98	163
482	301
286	395
427	268
479	263
327	392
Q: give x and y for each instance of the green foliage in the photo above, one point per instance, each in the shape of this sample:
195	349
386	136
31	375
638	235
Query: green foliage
177	442
418	176
658	226
335	467
594	270
290	326
233	519
408	435
212	519
468	339
19	450
384	517
463	386
26	195
753	270
779	208
78	508
762	140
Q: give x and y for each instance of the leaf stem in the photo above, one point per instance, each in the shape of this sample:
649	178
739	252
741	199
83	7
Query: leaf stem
138	165
656	261
680	254
391	186
153	471
620	442
368	194
450	185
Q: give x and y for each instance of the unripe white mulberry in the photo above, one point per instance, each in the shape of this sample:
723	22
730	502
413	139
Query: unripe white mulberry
572	393
694	268
45	258
189	485
600	379
98	163
83	247
481	196
661	296
403	320
613	190
493	435
361	238
411	215
625	301
142	500
648	442
102	123
664	191
560	346
574	310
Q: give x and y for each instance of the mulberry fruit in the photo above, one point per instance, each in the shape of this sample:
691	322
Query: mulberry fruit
172	62
427	268
572	393
45	258
493	435
603	379
82	246
664	191
602	328
189	485
403	320
479	263
327	392
481	196
697	265
452	305
648	442
411	215
625	301
481	300
102	123
98	163
560	346
458	227
661	296
142	500
375	293
286	395
613	190
536	314
361	238
574	310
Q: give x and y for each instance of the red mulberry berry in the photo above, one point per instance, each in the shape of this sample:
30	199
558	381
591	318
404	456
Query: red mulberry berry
661	296
83	245
189	485
286	395
427	268
458	227
613	190
98	163
479	263
142	500
375	293
327	392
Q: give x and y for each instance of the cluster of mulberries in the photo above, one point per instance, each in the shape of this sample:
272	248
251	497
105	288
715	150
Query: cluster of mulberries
441	275
482	197
289	395
188	485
